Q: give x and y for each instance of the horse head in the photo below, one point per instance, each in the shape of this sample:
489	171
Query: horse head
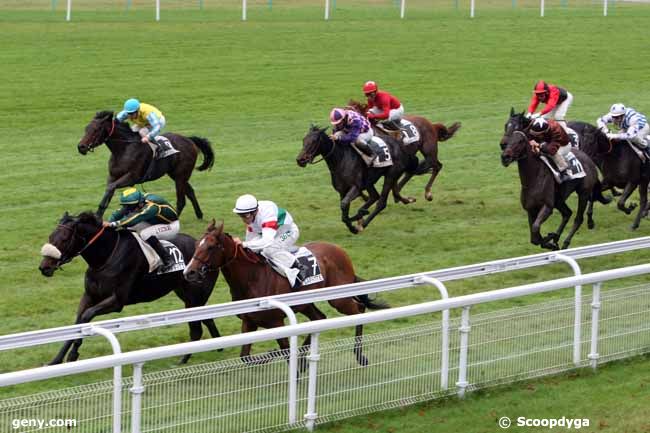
209	253
516	122
69	238
312	145
97	131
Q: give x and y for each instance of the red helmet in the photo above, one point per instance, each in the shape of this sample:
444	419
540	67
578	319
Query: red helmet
541	87
369	87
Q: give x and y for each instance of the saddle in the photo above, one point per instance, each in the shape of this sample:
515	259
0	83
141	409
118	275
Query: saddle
575	170
403	131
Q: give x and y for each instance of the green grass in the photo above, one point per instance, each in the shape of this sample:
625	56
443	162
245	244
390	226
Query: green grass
253	89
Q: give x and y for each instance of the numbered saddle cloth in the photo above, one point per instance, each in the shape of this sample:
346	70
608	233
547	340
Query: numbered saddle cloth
382	151
154	260
575	170
164	148
311	273
410	133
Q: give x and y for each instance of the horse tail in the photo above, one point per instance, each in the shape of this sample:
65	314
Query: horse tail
597	194
371	304
445	133
208	154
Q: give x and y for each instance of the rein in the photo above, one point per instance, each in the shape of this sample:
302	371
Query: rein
324	157
64	257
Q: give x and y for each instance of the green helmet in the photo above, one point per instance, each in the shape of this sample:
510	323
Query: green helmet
130	196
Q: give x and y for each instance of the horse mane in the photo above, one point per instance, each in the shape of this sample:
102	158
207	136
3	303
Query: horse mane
104	114
357	106
89	217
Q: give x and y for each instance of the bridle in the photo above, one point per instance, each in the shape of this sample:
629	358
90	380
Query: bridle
324	157
95	141
205	264
67	256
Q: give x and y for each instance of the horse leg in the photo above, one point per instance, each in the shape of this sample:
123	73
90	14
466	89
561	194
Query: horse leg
381	203
566	213
106	306
349	306
373	196
398	188
180	195
436	167
196	331
189	191
583	199
591	224
244	354
111	186
358	346
84	303
346	199
643	203
627	192
313	313
536	219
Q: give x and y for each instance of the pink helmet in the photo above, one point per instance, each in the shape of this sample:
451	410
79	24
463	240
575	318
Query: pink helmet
337	115
369	87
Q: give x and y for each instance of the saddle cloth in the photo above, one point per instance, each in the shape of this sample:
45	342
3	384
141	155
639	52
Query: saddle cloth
575	170
311	274
164	148
380	148
154	260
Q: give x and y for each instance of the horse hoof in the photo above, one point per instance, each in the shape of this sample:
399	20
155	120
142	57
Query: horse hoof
360	228
72	357
409	200
634	227
428	196
591	225
353	229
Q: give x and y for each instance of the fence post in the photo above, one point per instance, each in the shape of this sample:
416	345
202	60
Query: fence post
444	350
577	318
313	358
157	10
402	9
327	10
595	316
117	374
464	344
136	398
68	10
243	10
541	8
293	354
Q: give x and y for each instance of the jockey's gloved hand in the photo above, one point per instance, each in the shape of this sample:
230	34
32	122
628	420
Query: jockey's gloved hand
536	115
528	115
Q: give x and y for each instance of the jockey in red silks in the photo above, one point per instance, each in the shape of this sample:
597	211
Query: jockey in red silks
382	106
556	99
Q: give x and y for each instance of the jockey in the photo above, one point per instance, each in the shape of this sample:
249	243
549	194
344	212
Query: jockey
556	99
632	125
145	119
150	215
382	106
270	231
351	127
549	137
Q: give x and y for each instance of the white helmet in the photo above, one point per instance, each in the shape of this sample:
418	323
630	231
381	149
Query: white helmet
245	204
617	110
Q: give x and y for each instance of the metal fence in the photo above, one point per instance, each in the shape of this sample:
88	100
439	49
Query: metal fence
404	365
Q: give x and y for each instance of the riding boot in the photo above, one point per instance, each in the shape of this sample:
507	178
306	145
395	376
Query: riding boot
302	274
160	250
392	125
367	150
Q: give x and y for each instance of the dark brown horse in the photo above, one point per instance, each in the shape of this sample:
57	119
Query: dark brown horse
131	160
249	276
540	193
430	135
118	273
351	176
620	166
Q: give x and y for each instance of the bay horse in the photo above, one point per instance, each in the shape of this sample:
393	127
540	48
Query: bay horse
131	159
619	165
540	193
351	176
430	134
118	273
249	276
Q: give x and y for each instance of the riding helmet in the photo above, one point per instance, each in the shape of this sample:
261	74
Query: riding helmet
130	196
617	109
131	105
337	115
541	87
369	87
245	204
539	126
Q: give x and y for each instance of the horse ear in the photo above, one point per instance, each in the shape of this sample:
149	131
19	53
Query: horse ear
323	129
220	228
211	225
512	111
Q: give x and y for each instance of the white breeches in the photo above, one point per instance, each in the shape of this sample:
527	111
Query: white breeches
366	136
559	112
284	240
393	115
560	157
639	140
161	231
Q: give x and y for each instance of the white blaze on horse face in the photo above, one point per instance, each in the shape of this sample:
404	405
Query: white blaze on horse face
49	250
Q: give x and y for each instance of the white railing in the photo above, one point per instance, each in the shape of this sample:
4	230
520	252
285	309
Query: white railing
464	355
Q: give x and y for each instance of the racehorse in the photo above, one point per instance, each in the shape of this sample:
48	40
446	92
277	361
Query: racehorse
132	161
249	276
118	273
540	193
620	165
427	145
351	176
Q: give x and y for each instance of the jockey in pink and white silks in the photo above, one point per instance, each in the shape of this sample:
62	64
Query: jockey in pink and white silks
270	231
633	126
